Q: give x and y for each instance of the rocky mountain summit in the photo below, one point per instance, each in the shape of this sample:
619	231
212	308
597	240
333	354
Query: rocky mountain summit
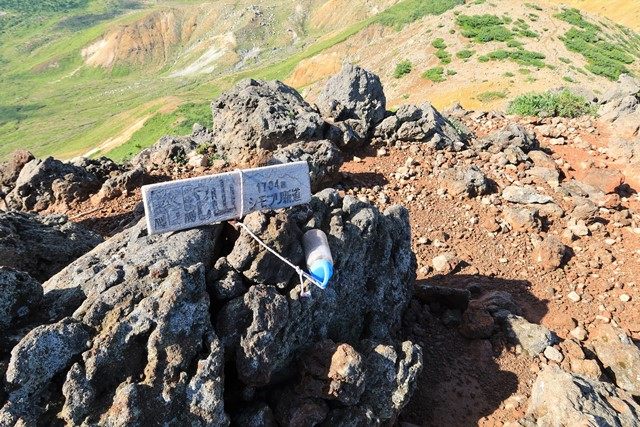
205	327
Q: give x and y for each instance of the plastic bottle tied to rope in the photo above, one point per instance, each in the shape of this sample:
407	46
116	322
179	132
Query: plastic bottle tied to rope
317	255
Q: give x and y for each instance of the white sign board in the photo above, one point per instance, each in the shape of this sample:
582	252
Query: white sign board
187	203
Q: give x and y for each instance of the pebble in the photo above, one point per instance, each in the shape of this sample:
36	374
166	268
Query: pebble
579	333
357	159
625	298
573	296
553	354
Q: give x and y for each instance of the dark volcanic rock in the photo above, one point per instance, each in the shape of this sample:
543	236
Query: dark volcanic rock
43	183
323	157
42	246
354	99
141	303
423	124
20	294
122	183
102	167
512	142
168	151
132	339
257	114
467	180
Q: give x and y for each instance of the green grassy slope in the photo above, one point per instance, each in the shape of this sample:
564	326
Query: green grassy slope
53	104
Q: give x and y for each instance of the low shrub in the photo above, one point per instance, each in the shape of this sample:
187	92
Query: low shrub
439	43
435	74
465	54
444	56
484	28
402	68
551	104
491	96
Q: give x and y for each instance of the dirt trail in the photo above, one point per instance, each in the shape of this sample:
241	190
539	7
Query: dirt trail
168	104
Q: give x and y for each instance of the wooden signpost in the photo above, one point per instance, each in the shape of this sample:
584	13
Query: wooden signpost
188	203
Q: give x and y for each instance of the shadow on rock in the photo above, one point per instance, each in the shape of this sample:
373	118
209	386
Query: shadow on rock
463	324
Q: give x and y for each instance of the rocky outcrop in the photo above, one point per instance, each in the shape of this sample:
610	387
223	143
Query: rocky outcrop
42	246
576	400
355	102
620	105
423	124
323	157
48	182
260	115
164	329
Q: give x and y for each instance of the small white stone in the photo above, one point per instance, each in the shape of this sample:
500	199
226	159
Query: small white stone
579	333
503	260
553	354
573	296
625	298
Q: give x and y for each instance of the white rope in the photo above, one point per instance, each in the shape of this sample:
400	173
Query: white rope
301	273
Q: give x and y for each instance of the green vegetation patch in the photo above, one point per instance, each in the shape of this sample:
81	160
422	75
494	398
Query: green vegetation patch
408	11
439	43
491	96
35	6
551	104
435	74
484	28
533	6
465	54
402	68
604	58
444	56
574	17
520	56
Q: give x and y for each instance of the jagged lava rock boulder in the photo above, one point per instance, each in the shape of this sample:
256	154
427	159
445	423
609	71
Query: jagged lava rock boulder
354	99
140	332
43	183
419	124
42	245
323	157
20	294
258	114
